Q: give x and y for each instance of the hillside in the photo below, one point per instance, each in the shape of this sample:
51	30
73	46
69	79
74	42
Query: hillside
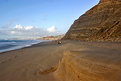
51	37
100	23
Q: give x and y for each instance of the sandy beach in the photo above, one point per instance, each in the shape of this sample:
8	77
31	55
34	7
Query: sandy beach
44	61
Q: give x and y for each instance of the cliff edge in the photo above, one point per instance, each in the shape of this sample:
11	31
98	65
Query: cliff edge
100	23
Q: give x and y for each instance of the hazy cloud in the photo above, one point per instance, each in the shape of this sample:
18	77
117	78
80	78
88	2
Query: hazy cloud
23	28
51	29
8	24
19	31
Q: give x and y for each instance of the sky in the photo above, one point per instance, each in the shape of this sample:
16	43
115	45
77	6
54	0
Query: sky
38	18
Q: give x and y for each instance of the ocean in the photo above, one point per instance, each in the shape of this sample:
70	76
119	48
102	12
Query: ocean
8	45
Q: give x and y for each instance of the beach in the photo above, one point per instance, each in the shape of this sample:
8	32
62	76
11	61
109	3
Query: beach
44	61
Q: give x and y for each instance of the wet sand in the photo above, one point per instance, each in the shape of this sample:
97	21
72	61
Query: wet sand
40	62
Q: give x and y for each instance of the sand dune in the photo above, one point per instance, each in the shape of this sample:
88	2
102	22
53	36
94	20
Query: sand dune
90	65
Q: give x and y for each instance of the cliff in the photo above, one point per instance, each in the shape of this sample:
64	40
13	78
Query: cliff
100	23
51	37
92	61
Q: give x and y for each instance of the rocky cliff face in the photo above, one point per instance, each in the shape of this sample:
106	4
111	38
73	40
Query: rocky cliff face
102	22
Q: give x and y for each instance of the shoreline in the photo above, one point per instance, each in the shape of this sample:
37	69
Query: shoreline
27	46
29	60
46	41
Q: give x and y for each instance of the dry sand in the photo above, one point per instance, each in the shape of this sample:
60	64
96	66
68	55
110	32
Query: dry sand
41	62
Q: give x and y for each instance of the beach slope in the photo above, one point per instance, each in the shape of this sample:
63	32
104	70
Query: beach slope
82	61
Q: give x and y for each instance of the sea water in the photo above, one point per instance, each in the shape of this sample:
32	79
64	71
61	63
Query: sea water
7	45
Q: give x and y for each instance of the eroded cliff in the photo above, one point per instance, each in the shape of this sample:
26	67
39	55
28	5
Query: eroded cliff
102	22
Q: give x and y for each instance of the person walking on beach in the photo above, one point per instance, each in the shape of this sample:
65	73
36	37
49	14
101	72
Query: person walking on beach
59	42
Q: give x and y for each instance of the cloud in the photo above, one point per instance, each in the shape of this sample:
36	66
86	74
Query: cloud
19	27
28	27
12	32
8	24
19	31
51	29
